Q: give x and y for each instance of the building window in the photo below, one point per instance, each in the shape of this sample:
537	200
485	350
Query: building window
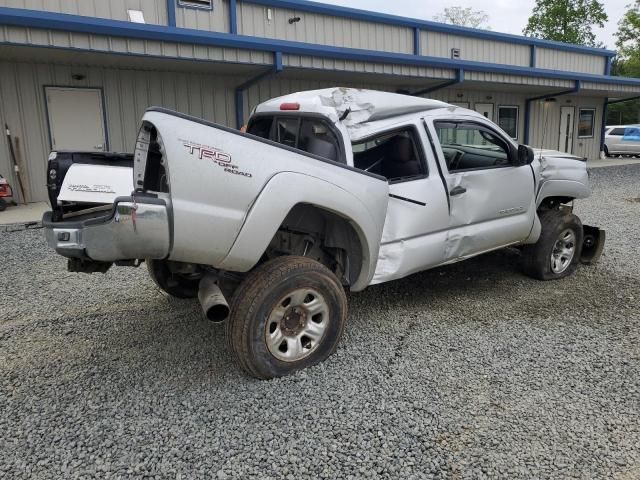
204	4
586	122
508	120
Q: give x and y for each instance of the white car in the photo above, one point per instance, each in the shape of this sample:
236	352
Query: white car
622	140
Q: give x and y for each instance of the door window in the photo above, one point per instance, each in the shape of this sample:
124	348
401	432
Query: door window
394	155
469	146
508	120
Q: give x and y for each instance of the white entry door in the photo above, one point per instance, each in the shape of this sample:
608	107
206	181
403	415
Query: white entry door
485	109
76	119
567	120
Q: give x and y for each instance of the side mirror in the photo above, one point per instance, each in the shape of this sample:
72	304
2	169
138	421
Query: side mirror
525	155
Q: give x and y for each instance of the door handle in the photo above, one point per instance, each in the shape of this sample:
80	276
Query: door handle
457	191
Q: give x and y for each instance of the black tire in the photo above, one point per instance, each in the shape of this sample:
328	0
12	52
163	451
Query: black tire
606	151
537	258
267	289
3	204
173	284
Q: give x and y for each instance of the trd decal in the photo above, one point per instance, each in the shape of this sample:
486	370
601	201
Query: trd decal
221	159
205	152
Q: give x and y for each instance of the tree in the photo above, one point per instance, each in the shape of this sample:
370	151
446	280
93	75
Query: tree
569	21
464	17
628	42
627	64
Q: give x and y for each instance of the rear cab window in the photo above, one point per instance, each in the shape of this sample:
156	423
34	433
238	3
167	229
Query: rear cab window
308	134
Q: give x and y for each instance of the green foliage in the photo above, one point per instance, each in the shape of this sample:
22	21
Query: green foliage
628	42
569	21
465	17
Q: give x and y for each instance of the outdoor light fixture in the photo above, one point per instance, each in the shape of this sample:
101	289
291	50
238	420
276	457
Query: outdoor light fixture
293	20
78	76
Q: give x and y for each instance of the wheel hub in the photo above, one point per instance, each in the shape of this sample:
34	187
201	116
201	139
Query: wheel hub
563	251
293	322
297	325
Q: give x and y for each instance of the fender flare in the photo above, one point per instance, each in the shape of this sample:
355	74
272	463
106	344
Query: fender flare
562	188
279	196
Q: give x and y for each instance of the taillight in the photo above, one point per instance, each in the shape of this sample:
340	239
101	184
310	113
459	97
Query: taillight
290	106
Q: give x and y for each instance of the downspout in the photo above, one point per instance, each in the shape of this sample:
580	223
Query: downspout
456	81
171	13
276	68
529	101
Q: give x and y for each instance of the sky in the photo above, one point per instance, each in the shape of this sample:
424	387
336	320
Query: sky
507	16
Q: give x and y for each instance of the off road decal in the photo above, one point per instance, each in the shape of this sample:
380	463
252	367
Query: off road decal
217	157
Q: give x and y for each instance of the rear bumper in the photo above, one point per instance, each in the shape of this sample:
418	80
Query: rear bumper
130	230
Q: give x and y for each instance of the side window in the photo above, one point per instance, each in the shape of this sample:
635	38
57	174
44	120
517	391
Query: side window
318	139
394	155
471	147
617	132
261	127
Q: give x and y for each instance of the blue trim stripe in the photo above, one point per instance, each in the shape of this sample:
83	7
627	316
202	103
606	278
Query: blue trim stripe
97	26
325	9
171	13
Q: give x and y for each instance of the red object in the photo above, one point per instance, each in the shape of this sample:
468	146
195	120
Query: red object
5	188
290	106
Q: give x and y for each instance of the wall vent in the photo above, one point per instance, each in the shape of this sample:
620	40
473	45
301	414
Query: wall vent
455	53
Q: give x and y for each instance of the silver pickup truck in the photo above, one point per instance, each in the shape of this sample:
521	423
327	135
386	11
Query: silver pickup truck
327	189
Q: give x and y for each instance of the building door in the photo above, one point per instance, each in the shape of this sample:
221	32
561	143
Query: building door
566	129
485	109
76	119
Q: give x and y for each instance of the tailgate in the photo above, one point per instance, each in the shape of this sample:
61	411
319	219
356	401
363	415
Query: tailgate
81	181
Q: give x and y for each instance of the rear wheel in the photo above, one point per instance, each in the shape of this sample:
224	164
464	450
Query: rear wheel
286	315
557	252
175	284
3	204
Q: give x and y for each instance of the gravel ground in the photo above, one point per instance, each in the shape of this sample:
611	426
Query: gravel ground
469	371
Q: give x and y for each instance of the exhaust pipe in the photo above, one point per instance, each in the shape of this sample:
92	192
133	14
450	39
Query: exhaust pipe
214	305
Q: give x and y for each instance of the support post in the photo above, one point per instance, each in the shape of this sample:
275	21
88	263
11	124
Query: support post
416	41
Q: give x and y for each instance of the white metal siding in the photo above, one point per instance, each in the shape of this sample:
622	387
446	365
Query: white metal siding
127	94
545	125
155	11
570	61
323	29
105	44
214	20
437	44
518	80
300	61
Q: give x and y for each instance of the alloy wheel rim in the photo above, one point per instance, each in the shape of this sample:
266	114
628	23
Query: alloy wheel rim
297	325
563	251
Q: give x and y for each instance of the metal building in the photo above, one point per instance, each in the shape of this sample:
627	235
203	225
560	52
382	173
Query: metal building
78	74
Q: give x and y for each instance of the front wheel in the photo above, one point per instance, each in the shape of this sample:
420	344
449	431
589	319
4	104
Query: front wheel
557	252
286	315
